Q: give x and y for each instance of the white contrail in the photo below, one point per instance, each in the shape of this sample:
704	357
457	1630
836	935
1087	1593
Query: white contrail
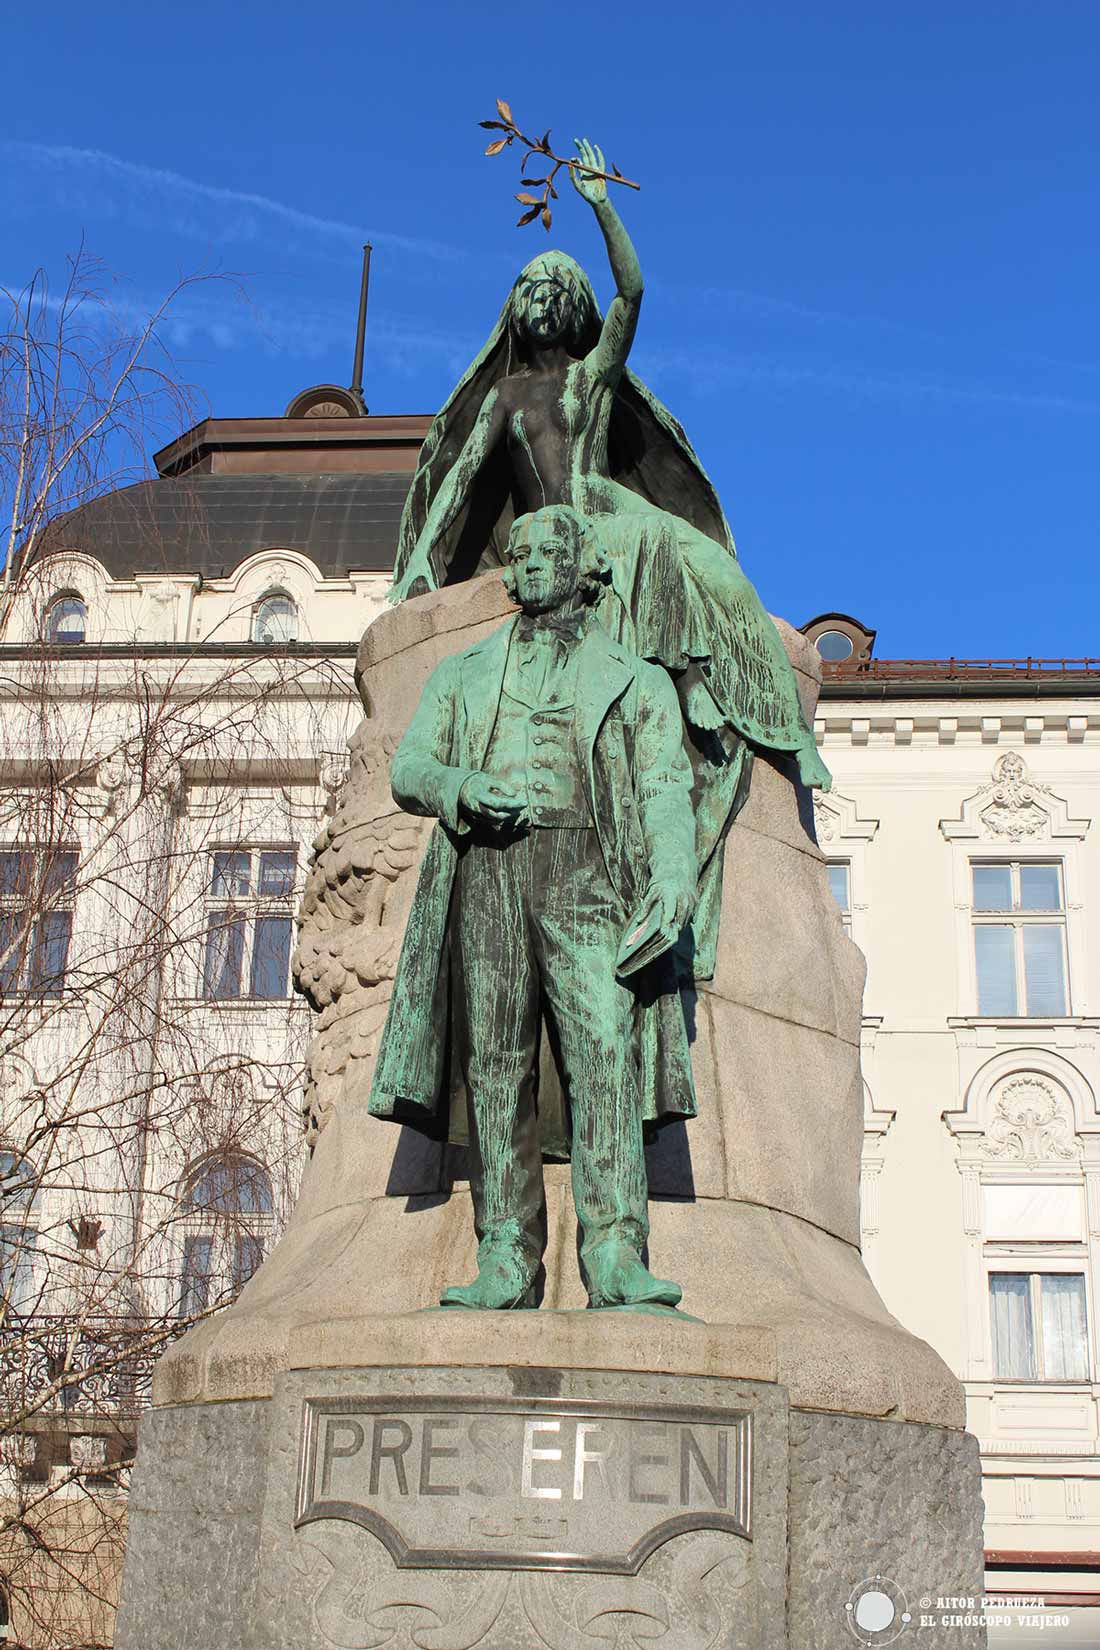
134	175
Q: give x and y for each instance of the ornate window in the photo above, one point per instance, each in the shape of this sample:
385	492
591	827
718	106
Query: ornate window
1017	875
228	1222
1039	1326
1029	1155
275	620
1019	926
66	618
18	1233
249	923
37	895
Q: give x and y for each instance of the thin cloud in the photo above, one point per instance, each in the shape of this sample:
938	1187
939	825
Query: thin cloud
167	195
714	371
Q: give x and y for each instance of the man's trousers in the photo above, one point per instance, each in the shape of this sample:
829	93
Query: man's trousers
536	926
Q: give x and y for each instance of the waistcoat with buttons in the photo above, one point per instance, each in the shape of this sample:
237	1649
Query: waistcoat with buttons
534	743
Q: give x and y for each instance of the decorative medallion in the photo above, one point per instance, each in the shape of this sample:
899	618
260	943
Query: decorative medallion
1030	1124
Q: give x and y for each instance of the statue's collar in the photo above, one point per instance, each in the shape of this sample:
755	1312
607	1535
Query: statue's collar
566	626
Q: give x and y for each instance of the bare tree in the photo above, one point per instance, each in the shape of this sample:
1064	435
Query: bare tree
88	389
153	816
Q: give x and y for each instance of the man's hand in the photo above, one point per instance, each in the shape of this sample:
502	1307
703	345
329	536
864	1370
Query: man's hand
482	798
591	189
672	904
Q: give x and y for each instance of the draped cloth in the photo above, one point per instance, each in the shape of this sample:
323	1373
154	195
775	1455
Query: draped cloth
677	594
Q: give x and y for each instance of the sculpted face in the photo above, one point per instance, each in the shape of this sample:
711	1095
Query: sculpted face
544	553
547	310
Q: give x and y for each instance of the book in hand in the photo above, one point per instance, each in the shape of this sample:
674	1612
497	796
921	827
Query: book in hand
647	936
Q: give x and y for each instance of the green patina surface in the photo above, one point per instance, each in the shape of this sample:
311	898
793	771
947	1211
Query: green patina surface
585	764
565	854
550	413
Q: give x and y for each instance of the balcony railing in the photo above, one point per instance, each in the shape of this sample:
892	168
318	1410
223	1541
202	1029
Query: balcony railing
957	670
54	1365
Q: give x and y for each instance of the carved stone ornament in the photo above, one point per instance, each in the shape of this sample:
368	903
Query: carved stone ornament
826	820
1014	807
685	1597
352	919
836	819
111	776
1030	1124
18	1449
88	1453
1014	812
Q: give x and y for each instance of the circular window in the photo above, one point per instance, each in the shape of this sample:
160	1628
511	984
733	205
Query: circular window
834	646
276	621
66	620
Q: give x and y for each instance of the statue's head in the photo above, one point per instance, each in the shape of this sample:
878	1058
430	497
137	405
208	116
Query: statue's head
552	302
554	560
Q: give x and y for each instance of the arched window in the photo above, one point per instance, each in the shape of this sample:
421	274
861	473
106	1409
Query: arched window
18	1233
66	618
228	1218
275	622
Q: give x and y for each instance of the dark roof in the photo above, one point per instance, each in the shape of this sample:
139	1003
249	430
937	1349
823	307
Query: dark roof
209	523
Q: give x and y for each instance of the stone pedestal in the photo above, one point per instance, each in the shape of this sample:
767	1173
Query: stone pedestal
843	1431
539	1507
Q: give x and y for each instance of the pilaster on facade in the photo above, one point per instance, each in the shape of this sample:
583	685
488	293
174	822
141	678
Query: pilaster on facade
876	1127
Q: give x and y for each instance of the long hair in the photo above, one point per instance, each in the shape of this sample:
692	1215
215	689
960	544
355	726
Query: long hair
648	451
583	312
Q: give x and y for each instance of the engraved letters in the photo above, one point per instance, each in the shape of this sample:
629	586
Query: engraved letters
548	1483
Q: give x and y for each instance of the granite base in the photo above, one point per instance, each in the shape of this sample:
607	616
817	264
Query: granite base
543	1509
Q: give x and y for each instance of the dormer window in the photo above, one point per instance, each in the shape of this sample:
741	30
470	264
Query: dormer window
275	622
840	639
66	619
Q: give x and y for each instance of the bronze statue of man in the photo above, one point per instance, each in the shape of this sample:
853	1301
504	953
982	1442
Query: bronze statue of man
561	874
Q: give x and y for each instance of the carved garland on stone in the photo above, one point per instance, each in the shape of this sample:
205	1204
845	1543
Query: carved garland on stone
685	1598
352	921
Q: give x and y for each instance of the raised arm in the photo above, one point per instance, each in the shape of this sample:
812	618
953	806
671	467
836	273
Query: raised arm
609	356
421	568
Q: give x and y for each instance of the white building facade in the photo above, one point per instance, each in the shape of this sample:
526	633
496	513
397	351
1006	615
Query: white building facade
963	834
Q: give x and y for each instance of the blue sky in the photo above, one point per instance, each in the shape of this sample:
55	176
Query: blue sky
869	232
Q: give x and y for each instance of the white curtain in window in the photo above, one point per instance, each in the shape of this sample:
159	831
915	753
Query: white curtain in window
995	954
1013	1341
1046	990
1065	1350
1034	1212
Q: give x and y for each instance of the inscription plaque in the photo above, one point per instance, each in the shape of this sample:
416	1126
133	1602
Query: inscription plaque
524	1483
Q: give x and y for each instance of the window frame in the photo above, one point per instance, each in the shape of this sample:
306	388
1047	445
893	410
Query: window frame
1018	920
18	985
1036	1262
245	913
18	1213
273	594
835	861
227	1231
57	600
